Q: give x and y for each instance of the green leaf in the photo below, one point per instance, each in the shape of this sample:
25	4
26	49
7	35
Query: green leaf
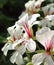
30	63
3	39
40	51
2	2
52	55
52	52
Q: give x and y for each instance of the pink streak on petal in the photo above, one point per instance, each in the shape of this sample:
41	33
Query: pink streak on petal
48	46
27	30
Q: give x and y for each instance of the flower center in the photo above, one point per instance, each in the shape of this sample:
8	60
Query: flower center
27	30
48	46
14	38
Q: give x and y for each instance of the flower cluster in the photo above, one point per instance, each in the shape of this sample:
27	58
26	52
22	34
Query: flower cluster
22	38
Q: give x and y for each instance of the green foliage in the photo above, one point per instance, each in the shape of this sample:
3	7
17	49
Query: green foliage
30	63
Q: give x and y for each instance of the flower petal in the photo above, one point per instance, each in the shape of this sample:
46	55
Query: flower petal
37	59
10	30
49	61
17	42
33	18
24	19
19	60
7	46
15	31
38	2
45	9
49	9
22	49
50	17
36	22
18	31
22	14
31	46
45	22
53	41
44	34
30	5
14	57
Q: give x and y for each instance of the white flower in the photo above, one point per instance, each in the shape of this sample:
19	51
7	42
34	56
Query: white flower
15	34
30	6
44	34
31	45
47	21
46	37
10	45
38	3
19	41
17	55
23	20
37	59
28	20
22	14
25	42
28	42
33	19
6	47
16	58
51	19
49	9
15	31
27	23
